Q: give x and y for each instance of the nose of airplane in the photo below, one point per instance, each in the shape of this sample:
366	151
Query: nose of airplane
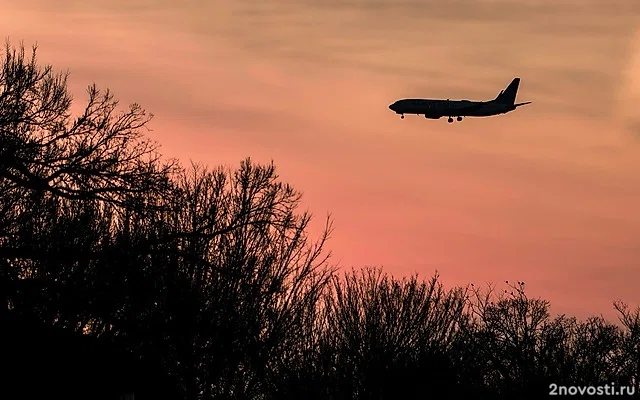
392	106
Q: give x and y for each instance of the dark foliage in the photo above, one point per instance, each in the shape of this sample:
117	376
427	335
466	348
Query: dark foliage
119	270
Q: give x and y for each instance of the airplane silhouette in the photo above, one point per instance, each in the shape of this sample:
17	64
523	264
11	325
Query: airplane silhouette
436	109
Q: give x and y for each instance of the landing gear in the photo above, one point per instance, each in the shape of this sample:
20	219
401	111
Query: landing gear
459	119
450	120
402	116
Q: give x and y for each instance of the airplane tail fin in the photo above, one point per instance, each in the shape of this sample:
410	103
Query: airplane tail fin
508	96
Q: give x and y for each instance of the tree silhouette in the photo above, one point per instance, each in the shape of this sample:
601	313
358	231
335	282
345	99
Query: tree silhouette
99	155
628	355
210	277
390	336
216	281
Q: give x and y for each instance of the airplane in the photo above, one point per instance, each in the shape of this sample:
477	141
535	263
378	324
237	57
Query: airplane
436	109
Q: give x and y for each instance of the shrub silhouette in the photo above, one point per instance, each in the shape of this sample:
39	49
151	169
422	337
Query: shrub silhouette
210	276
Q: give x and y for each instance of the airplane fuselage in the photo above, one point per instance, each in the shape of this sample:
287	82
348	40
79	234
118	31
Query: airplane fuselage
435	109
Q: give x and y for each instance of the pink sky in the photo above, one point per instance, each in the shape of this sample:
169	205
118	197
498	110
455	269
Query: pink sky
547	194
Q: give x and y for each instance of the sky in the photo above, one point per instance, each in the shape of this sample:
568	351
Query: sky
547	194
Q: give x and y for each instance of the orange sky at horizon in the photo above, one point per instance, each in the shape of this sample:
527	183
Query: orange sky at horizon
545	194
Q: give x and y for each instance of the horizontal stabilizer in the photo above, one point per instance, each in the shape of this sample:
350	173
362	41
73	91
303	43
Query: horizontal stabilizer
522	104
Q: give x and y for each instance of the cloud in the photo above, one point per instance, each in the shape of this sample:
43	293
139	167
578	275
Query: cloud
628	107
563	53
458	49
